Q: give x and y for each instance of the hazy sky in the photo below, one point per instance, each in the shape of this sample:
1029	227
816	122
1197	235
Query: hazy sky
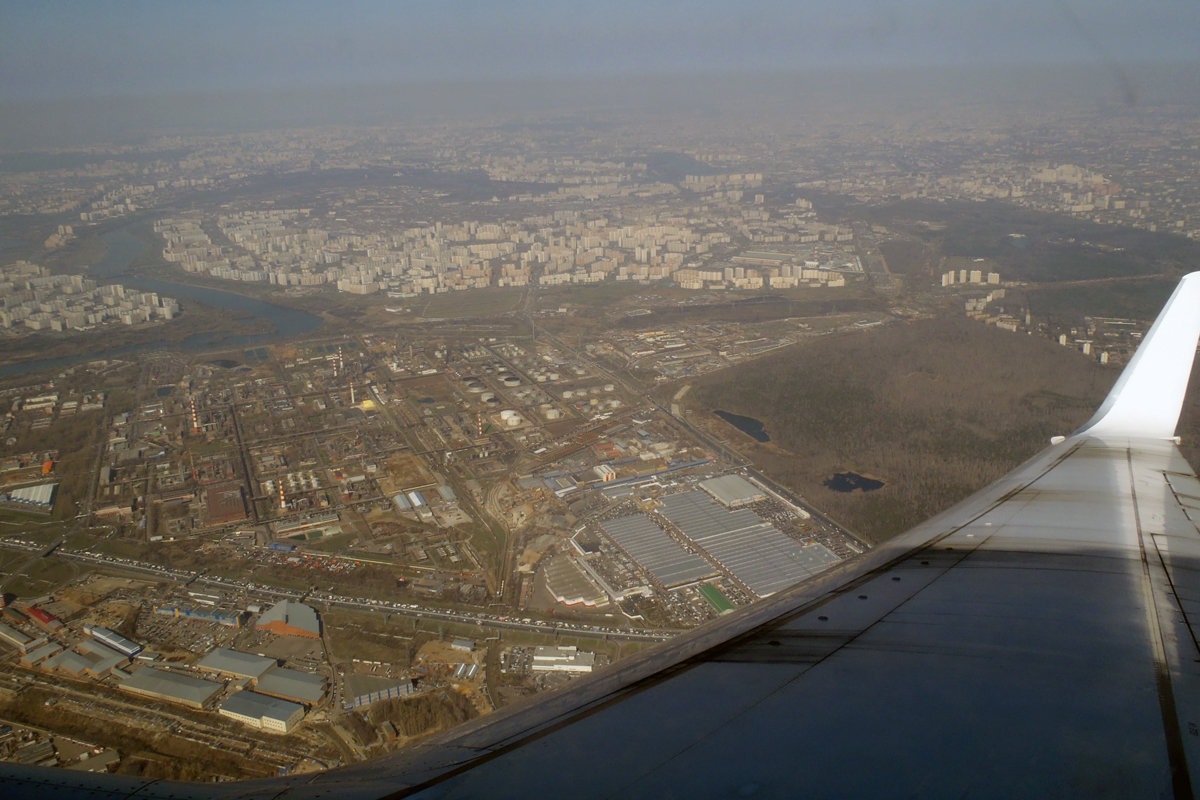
97	48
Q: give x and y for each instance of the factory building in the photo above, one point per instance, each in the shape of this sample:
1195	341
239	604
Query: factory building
263	712
756	553
90	659
267	676
40	654
550	658
162	685
113	639
66	663
45	619
289	684
733	491
289	618
233	664
605	473
39	497
15	638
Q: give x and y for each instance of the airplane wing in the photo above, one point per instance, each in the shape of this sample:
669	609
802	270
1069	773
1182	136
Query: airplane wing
1037	639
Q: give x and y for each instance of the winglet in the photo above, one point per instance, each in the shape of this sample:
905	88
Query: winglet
1146	399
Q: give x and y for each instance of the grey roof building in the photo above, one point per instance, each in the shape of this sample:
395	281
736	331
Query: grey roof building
39	654
289	618
290	684
753	550
67	661
261	711
656	552
234	663
733	491
102	658
171	686
91	658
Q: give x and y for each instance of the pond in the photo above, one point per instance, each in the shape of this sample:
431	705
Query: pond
748	425
852	482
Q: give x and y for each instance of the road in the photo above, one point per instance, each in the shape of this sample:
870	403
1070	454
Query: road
481	619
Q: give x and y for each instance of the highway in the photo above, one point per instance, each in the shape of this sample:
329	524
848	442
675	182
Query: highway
481	619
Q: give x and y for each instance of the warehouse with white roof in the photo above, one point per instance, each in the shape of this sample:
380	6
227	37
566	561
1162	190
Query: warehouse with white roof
260	711
733	491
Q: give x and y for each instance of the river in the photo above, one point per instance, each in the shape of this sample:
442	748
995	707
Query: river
123	248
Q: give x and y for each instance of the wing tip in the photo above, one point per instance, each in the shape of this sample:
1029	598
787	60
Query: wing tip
1147	398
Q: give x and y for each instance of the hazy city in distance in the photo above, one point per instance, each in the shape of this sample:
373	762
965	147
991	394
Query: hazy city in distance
366	369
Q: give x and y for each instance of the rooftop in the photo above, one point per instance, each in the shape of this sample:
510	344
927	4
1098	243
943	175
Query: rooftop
732	490
293	684
172	685
757	553
291	613
233	662
657	552
258	706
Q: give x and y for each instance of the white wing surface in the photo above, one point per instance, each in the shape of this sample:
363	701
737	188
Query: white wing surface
1038	639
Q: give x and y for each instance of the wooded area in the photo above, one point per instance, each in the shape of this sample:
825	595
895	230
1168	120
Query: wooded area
936	408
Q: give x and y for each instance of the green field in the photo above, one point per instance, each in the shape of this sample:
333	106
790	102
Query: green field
716	598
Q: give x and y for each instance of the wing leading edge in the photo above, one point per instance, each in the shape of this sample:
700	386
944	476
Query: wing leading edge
1038	638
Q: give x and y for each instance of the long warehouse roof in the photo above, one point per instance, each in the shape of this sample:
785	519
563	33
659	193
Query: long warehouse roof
293	684
756	552
253	704
171	684
233	662
657	552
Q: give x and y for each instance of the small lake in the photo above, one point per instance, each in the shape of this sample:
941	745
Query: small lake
747	425
852	482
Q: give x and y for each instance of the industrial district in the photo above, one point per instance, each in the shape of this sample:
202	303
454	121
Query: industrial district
434	452
288	536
